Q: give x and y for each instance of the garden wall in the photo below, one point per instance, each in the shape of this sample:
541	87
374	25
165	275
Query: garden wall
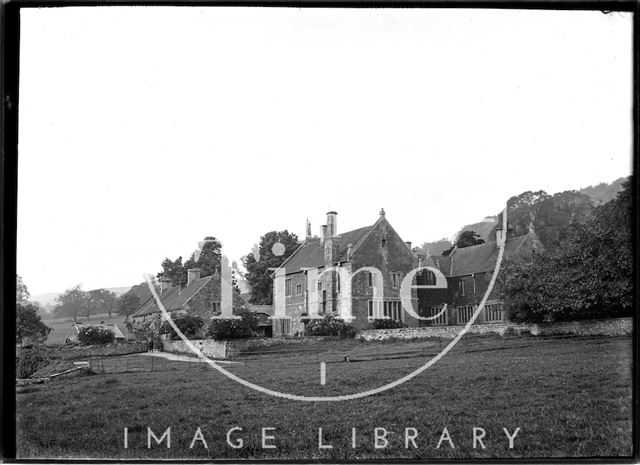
209	347
607	327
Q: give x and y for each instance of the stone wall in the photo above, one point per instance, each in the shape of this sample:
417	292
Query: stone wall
209	347
607	327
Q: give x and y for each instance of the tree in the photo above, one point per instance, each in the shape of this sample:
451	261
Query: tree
174	271
257	264
587	274
207	257
22	294
128	303
100	301
72	303
29	325
465	239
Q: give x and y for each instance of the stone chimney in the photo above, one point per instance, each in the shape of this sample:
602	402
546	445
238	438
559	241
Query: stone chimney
500	232
192	275
408	244
332	224
165	284
308	230
323	232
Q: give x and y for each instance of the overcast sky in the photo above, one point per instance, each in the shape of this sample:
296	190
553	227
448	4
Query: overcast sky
142	130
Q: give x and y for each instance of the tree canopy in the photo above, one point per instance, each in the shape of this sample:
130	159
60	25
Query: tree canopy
257	264
29	325
465	239
207	258
586	273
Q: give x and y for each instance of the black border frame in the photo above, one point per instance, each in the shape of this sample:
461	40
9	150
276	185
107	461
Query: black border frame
9	85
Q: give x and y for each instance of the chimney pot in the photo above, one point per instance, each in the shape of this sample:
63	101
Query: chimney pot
192	275
408	244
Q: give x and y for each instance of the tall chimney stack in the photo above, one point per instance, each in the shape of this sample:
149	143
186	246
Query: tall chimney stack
323	232
308	231
192	275
332	224
165	284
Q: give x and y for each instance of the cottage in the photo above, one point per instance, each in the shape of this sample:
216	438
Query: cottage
72	335
200	296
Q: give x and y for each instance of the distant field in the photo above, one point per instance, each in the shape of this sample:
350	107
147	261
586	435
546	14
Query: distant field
61	326
570	397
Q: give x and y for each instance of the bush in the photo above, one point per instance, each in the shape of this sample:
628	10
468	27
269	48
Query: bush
95	335
189	325
233	329
330	326
388	324
31	359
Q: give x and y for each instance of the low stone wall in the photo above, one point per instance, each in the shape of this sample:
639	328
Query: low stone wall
608	327
209	347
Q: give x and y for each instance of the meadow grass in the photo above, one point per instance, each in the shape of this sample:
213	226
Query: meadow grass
569	397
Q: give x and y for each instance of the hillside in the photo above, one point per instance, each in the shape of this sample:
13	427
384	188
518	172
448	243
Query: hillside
603	192
598	194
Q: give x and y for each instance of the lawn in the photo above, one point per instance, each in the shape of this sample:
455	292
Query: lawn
569	397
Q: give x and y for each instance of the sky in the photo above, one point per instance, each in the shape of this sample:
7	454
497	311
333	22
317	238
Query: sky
143	130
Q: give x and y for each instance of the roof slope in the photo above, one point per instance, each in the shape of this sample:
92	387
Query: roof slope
481	258
311	253
174	298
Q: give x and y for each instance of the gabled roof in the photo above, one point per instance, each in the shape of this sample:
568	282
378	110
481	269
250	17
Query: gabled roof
311	253
482	258
174	298
75	330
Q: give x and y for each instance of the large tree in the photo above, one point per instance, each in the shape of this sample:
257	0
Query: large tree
128	303
264	257
100	301
71	303
29	325
586	274
22	294
207	257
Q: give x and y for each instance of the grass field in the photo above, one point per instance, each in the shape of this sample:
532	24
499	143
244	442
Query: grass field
569	397
61	326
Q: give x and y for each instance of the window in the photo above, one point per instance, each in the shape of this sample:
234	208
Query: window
299	289
384	242
385	309
430	277
465	313
474	283
441	318
215	308
338	283
319	285
395	279
461	287
493	312
287	286
370	278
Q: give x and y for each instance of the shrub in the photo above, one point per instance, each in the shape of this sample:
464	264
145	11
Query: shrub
233	329
330	326
31	359
189	325
388	324
95	335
